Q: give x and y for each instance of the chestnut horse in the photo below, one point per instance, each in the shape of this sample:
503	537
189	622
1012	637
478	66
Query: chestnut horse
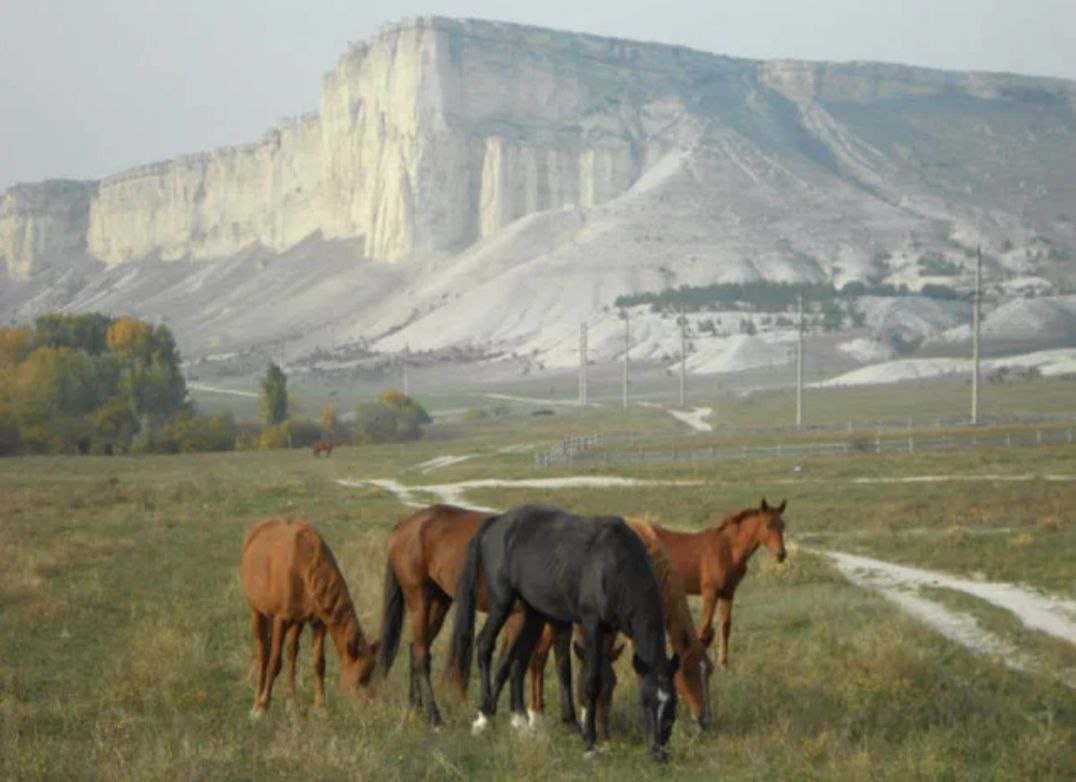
692	679
323	446
290	578
713	561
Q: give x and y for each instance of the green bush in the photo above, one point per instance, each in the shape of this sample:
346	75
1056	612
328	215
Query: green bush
394	417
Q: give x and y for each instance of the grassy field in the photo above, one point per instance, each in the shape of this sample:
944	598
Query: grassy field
125	638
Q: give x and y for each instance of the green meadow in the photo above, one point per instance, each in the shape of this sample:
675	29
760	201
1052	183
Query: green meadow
126	644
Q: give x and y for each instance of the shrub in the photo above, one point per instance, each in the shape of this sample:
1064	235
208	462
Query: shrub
394	417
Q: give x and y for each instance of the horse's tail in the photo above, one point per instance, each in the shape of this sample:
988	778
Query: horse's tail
392	613
461	650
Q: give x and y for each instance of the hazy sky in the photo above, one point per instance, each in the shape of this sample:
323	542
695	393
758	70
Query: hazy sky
90	88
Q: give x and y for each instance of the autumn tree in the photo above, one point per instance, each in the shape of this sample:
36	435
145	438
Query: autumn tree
328	419
274	402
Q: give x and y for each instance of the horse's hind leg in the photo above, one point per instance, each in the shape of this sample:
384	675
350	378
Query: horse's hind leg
317	632
280	628
518	657
487	638
539	657
436	609
293	652
259	626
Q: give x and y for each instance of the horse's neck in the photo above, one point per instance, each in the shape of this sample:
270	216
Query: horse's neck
735	544
342	629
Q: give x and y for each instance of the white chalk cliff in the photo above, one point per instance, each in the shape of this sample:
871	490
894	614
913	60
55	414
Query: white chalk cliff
435	139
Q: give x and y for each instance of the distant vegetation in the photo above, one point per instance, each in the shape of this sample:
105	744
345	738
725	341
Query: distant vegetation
768	296
94	384
394	417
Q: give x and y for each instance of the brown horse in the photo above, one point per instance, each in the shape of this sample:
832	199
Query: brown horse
323	446
290	578
426	553
713	561
693	677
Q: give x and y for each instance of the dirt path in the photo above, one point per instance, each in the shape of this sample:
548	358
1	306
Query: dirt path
899	583
693	418
453	493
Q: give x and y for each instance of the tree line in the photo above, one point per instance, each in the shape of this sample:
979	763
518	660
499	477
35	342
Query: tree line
94	384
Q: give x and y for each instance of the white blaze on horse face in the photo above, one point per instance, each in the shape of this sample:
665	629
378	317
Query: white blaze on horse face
479	724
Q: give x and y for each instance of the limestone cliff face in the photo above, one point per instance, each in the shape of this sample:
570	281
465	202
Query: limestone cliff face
42	224
437	133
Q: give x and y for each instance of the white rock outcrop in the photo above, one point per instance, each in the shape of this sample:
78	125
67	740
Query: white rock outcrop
438	133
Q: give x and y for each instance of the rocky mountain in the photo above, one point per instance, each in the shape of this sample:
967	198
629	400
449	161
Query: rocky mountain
471	184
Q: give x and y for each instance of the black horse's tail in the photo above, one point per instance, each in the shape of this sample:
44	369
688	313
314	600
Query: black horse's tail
392	614
461	650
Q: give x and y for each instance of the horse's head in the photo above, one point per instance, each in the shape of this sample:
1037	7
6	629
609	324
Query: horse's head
657	697
770	529
356	672
693	682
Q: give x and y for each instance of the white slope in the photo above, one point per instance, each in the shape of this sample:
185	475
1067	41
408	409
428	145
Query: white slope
1047	362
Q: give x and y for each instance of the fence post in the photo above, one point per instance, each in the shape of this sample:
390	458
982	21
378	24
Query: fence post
877	443
1008	439
911	444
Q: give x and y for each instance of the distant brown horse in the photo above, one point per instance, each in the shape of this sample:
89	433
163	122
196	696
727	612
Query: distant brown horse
693	677
323	446
290	578
713	561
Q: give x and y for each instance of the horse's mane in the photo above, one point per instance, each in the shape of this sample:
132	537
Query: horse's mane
735	518
678	622
329	591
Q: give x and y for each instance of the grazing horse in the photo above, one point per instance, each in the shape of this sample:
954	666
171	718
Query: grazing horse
564	570
426	553
290	578
323	446
693	678
713	561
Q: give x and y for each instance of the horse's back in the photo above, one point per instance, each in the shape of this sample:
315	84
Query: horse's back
432	543
563	564
278	554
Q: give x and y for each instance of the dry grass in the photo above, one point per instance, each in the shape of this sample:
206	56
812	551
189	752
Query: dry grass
125	643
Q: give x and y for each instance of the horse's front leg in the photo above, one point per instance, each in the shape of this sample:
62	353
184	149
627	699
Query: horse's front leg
562	651
317	649
293	652
706	620
592	673
539	657
724	605
519	657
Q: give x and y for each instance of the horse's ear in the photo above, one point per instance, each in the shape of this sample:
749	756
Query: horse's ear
580	652
763	505
781	508
640	667
674	664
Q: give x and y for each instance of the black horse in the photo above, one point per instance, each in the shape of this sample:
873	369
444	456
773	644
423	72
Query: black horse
565	569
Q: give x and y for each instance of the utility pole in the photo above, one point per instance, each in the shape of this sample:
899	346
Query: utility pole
627	347
799	366
976	305
406	385
683	356
583	365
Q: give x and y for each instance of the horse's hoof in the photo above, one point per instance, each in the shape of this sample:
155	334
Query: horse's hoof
533	718
592	754
519	722
257	712
479	724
